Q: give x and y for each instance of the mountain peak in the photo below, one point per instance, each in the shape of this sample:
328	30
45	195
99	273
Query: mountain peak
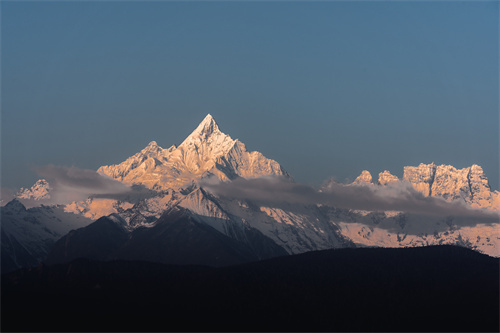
151	150
15	205
364	178
39	191
207	127
152	144
386	177
206	151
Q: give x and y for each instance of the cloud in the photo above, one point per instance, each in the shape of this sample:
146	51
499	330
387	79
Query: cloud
398	196
70	184
81	179
134	194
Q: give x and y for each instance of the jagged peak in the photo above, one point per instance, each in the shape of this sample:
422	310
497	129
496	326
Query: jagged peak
151	148
476	168
364	178
152	144
386	177
207	127
40	190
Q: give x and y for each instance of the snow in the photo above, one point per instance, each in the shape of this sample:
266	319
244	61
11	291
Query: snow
386	177
36	229
207	152
364	178
95	208
483	238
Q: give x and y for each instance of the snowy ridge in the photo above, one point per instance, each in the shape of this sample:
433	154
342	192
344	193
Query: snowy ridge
468	184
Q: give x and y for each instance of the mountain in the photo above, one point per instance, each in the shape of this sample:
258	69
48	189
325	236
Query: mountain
258	232
436	288
364	178
400	229
246	229
39	191
177	237
469	185
386	177
27	235
205	152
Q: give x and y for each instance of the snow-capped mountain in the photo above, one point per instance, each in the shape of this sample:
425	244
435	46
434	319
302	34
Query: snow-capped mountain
205	152
28	234
256	229
39	191
469	184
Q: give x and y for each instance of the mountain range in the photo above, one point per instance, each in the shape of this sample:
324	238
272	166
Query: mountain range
183	220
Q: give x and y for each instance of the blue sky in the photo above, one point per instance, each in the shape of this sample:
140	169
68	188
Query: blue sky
327	89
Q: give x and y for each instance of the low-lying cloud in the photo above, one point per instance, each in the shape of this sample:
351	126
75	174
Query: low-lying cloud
70	184
398	196
84	180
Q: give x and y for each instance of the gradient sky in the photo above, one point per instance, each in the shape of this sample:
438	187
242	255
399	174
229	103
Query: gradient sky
327	89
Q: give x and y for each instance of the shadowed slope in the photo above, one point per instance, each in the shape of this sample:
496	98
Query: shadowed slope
437	288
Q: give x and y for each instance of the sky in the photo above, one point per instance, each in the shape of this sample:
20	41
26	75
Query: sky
327	88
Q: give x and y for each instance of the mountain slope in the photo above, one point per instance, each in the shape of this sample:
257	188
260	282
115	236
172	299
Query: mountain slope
439	288
28	234
177	237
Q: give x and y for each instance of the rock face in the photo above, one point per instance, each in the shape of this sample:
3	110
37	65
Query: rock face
39	191
420	177
364	178
386	177
205	152
481	194
468	184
